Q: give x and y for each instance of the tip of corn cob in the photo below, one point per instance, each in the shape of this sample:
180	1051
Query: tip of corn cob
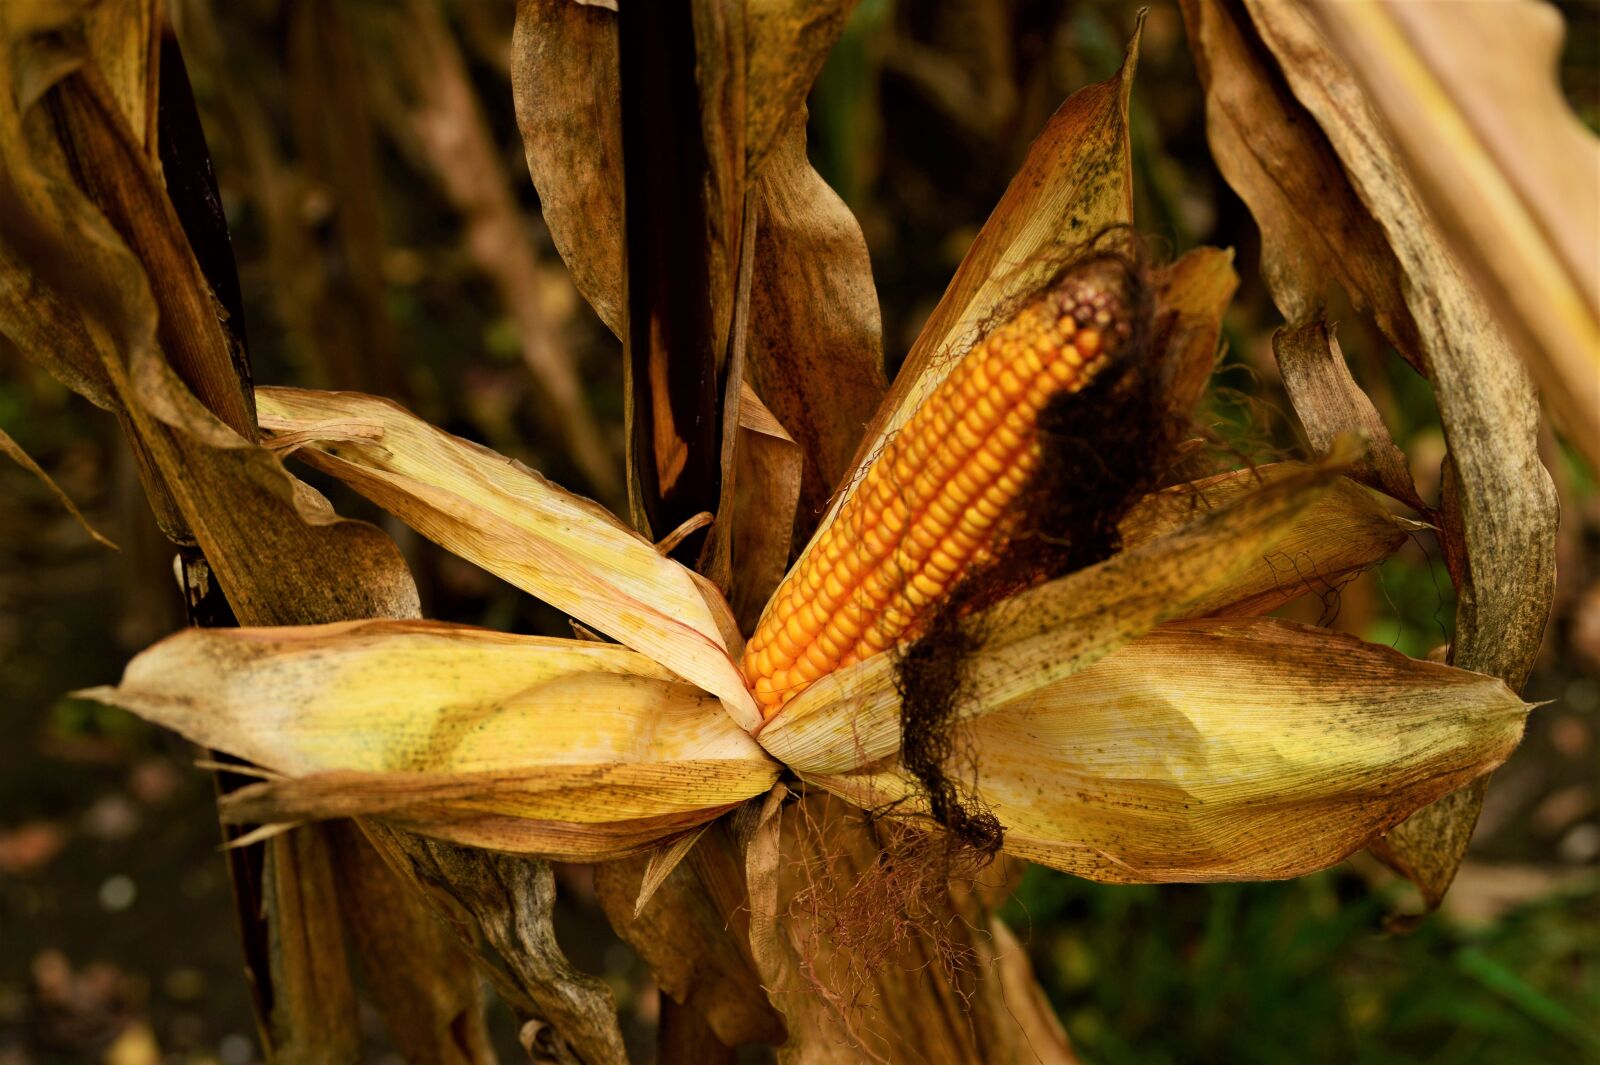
940	498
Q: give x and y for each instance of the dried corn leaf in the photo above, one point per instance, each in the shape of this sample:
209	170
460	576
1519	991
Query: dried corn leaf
1074	183
766	492
1194	293
1341	533
1472	97
786	43
851	718
923	987
1329	402
491	511
1226	750
815	342
816	336
123	37
459	732
1314	233
1295	136
74	297
565	84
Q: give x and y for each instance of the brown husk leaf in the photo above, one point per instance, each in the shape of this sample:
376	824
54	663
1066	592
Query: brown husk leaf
1293	134
1472	97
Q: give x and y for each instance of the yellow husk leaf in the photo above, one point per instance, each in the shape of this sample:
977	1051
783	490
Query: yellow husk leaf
1342	532
566	550
433	725
1226	750
851	718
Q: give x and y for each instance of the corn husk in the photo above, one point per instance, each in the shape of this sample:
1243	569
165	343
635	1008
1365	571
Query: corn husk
1342	532
1224	750
566	550
851	718
1336	205
561	747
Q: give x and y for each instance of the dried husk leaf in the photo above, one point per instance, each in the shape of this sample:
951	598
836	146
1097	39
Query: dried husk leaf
1330	402
851	718
766	492
1074	184
1194	293
500	515
940	996
693	932
1226	750
1341	533
475	735
564	81
816	336
1472	97
1295	136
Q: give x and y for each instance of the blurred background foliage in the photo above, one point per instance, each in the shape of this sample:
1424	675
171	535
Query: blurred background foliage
354	229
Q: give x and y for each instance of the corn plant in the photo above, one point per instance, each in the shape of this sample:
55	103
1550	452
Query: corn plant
856	649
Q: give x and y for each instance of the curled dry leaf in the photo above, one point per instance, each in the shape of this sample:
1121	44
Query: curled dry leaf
565	85
564	549
1471	95
786	43
1297	139
425	723
74	296
1227	750
851	718
1329	402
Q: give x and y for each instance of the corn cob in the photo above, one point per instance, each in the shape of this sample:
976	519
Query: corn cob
937	501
